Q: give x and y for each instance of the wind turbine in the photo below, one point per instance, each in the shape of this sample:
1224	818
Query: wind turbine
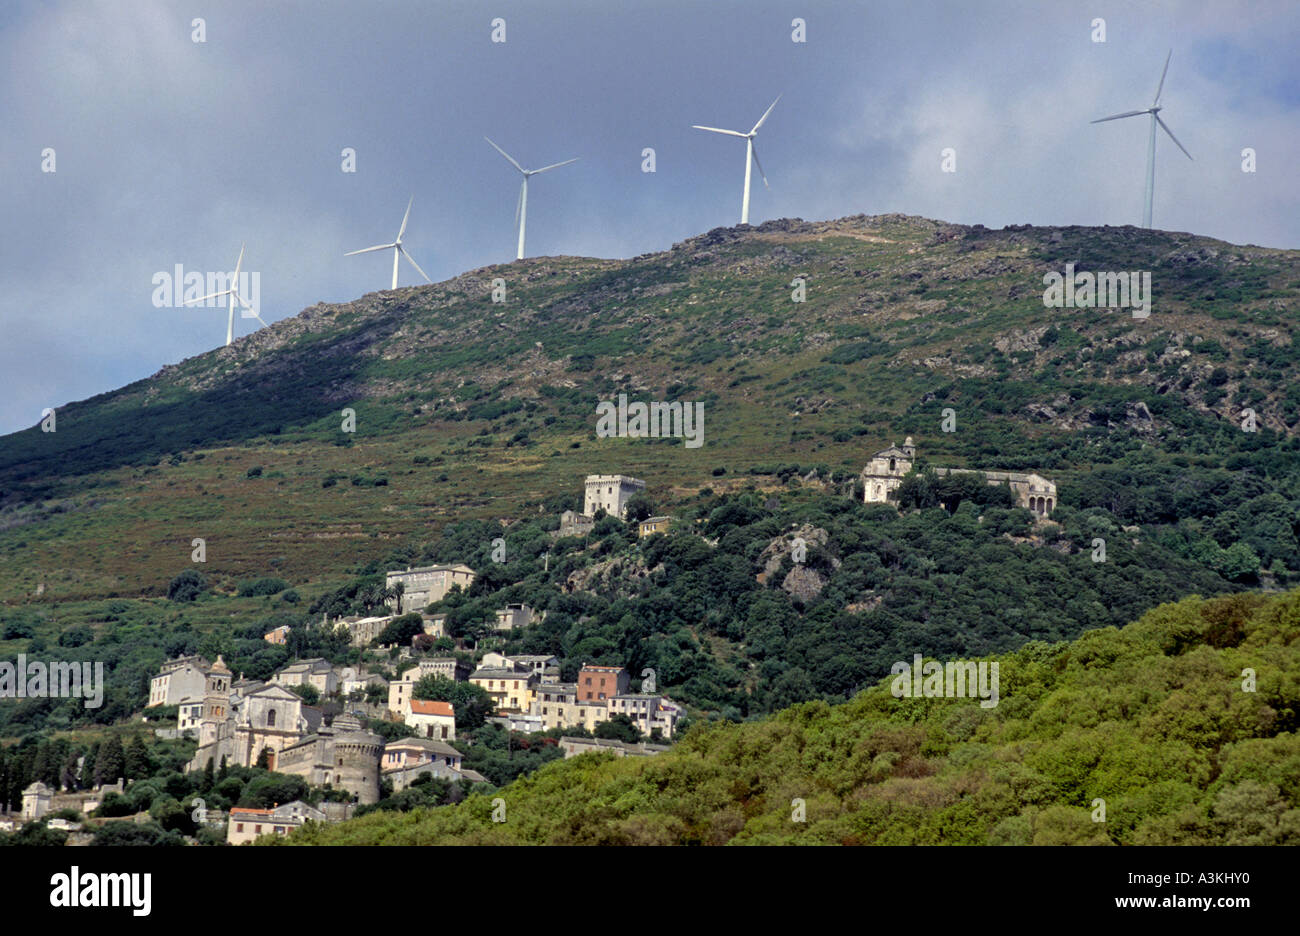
521	207
233	293
751	154
1154	111
396	247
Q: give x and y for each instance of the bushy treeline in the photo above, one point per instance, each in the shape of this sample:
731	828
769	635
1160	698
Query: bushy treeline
975	579
1177	729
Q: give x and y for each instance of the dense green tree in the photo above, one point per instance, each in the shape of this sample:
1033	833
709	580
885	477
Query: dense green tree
136	761
110	763
619	728
401	629
187	586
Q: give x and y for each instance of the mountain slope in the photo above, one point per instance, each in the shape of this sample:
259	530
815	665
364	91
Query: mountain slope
470	408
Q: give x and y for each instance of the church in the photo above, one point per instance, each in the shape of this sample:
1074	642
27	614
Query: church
885	472
238	721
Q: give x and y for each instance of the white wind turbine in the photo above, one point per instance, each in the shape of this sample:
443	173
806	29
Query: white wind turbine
233	293
396	247
751	155
521	207
1154	111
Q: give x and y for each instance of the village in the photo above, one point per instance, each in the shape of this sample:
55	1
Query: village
314	719
272	724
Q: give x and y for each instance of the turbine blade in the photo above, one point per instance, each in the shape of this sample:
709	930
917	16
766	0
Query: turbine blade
555	165
1160	87
414	264
1118	116
1164	126
206	298
743	136
240	261
506	155
764	117
405	218
260	319
754	149
353	253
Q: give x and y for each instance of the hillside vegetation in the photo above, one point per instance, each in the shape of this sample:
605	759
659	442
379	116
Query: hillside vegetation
1153	719
466	408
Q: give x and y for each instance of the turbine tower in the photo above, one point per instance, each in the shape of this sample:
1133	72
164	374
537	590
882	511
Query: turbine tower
521	207
233	293
1154	111
751	155
396	247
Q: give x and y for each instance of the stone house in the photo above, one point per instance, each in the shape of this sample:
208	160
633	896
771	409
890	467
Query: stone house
427	584
277	635
316	672
513	616
648	711
652	525
573	523
575	746
247	824
182	678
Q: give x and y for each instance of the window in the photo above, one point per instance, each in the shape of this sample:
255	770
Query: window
239	827
270	718
257	830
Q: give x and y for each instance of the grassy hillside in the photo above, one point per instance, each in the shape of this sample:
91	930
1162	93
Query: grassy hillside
472	409
1151	718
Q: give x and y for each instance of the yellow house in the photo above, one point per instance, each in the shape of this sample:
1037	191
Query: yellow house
654	525
510	689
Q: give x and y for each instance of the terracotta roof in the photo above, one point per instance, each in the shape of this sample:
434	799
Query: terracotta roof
423	707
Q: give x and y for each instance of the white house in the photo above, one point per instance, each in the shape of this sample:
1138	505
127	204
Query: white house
436	720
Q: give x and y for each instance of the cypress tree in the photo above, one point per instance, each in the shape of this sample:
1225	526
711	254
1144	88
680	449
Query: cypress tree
88	767
111	763
136	760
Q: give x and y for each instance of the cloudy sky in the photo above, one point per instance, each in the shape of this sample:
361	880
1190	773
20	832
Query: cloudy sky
173	151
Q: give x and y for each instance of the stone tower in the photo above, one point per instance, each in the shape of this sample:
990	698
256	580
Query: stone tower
357	753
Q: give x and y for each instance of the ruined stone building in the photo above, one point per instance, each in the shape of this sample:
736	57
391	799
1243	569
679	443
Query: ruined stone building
886	469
